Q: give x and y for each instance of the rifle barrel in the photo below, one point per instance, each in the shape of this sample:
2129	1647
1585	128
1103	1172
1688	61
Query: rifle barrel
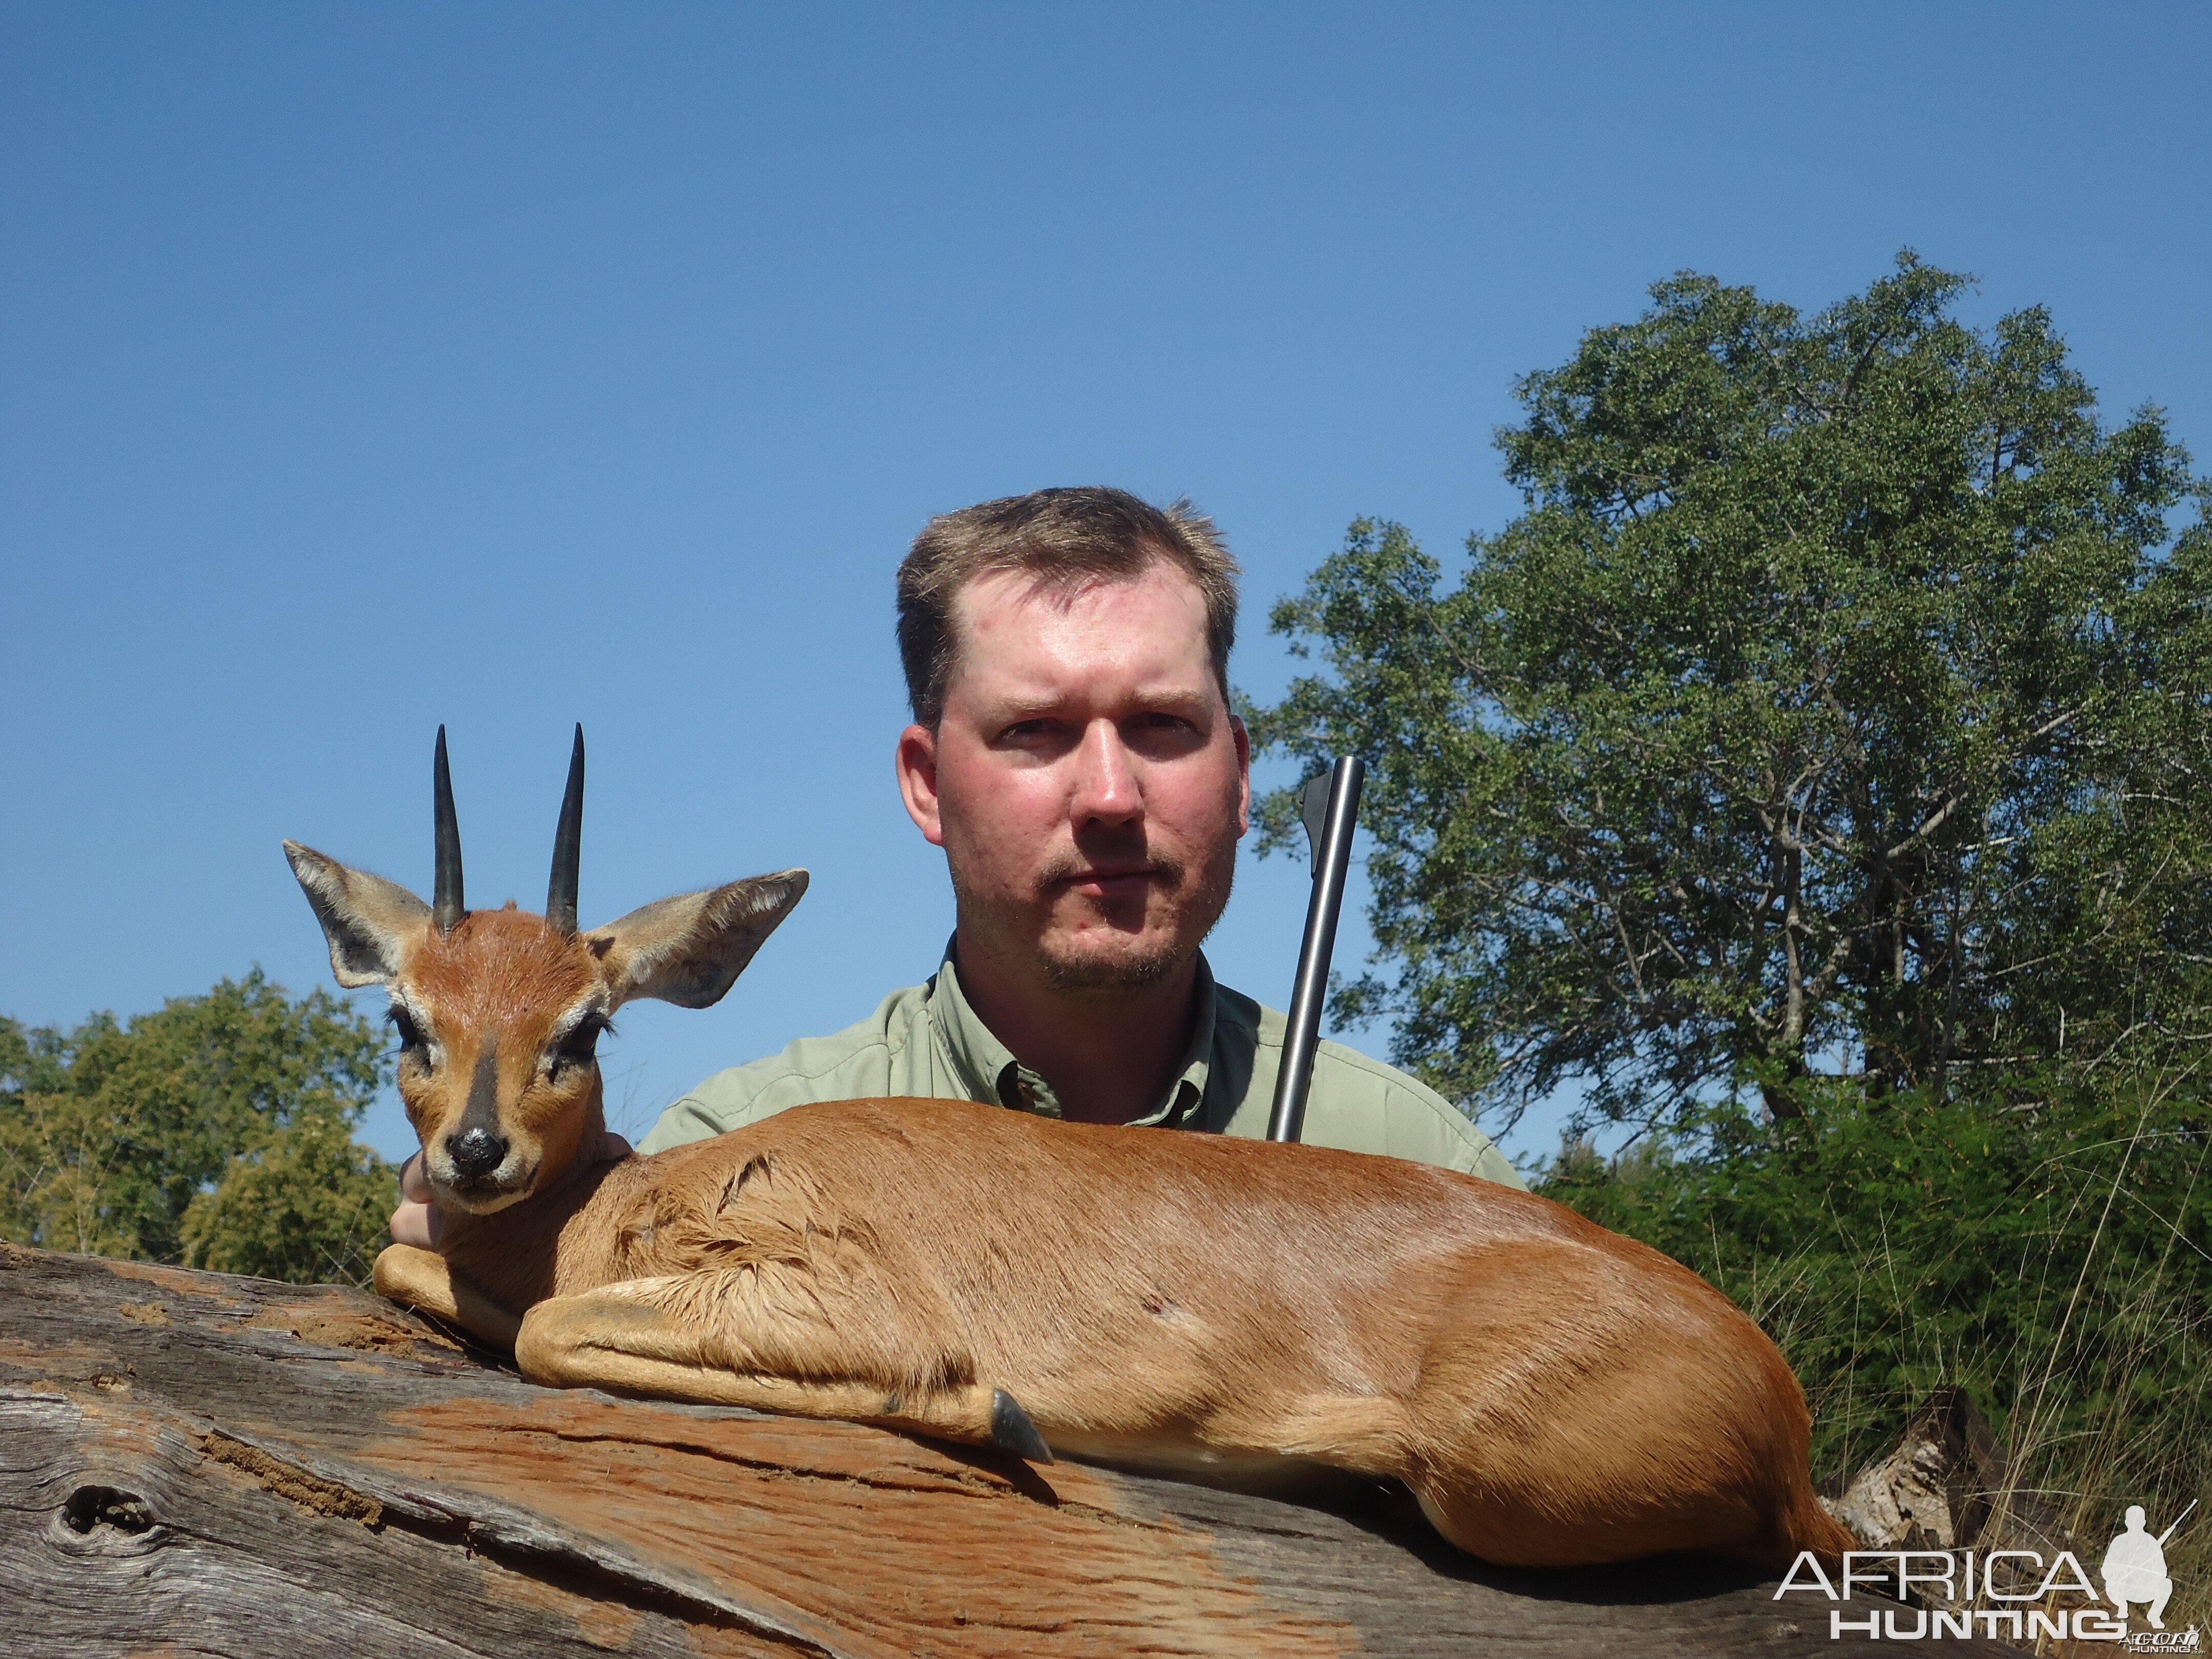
1332	858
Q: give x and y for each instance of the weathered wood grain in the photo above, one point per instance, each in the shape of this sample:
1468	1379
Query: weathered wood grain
197	1463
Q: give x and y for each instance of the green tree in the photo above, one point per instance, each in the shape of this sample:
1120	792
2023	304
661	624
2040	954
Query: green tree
1835	683
216	1130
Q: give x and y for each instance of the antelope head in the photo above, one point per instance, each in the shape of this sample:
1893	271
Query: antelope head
498	1012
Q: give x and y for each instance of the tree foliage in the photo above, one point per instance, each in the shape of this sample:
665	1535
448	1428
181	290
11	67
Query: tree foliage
216	1131
1836	706
311	1206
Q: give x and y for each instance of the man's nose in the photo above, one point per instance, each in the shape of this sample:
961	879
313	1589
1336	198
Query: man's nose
1107	786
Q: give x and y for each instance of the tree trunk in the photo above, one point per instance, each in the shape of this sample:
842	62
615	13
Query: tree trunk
197	1462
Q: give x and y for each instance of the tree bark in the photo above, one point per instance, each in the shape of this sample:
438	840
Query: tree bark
194	1462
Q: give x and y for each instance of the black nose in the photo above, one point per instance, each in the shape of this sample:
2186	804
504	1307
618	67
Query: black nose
476	1153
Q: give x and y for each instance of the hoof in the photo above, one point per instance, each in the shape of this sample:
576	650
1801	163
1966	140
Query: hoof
1011	1430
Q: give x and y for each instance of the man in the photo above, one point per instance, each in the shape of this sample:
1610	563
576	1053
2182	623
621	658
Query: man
1072	750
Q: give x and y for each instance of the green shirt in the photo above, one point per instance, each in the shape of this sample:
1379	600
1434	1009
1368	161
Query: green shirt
926	1041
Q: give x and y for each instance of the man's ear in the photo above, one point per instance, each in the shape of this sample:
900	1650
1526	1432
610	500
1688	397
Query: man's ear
917	780
1242	740
370	923
690	948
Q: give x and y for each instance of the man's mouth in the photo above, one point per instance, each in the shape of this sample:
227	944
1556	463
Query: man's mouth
1112	882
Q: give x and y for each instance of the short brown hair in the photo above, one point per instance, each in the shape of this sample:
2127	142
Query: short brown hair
1064	539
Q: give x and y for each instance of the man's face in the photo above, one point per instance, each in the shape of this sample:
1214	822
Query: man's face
1087	781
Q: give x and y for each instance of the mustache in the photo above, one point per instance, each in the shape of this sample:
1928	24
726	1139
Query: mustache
1075	865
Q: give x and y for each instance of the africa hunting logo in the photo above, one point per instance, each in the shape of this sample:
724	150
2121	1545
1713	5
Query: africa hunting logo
2135	1584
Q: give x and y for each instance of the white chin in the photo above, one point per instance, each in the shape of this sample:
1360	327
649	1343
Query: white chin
480	1202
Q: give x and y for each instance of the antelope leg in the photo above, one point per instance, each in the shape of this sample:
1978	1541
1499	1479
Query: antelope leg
612	1338
420	1278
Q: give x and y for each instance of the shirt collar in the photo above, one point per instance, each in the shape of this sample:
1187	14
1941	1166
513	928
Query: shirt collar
988	1071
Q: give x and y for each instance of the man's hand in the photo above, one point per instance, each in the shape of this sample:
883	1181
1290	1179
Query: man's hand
417	1221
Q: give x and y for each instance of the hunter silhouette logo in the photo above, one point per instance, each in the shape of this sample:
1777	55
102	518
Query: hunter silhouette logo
2135	1567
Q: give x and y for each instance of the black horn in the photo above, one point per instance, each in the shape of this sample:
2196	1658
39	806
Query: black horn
447	907
568	847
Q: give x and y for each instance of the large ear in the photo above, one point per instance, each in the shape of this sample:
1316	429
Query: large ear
370	923
690	948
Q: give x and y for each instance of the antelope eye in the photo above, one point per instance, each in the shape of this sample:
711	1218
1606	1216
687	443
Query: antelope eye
402	1023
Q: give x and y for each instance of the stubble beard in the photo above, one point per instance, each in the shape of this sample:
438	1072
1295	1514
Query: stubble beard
1133	962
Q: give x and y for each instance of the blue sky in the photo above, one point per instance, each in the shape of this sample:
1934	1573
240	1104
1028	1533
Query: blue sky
365	368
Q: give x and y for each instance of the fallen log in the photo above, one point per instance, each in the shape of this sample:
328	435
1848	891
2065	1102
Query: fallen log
197	1462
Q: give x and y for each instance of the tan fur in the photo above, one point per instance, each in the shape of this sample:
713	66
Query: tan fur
493	982
1553	1393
